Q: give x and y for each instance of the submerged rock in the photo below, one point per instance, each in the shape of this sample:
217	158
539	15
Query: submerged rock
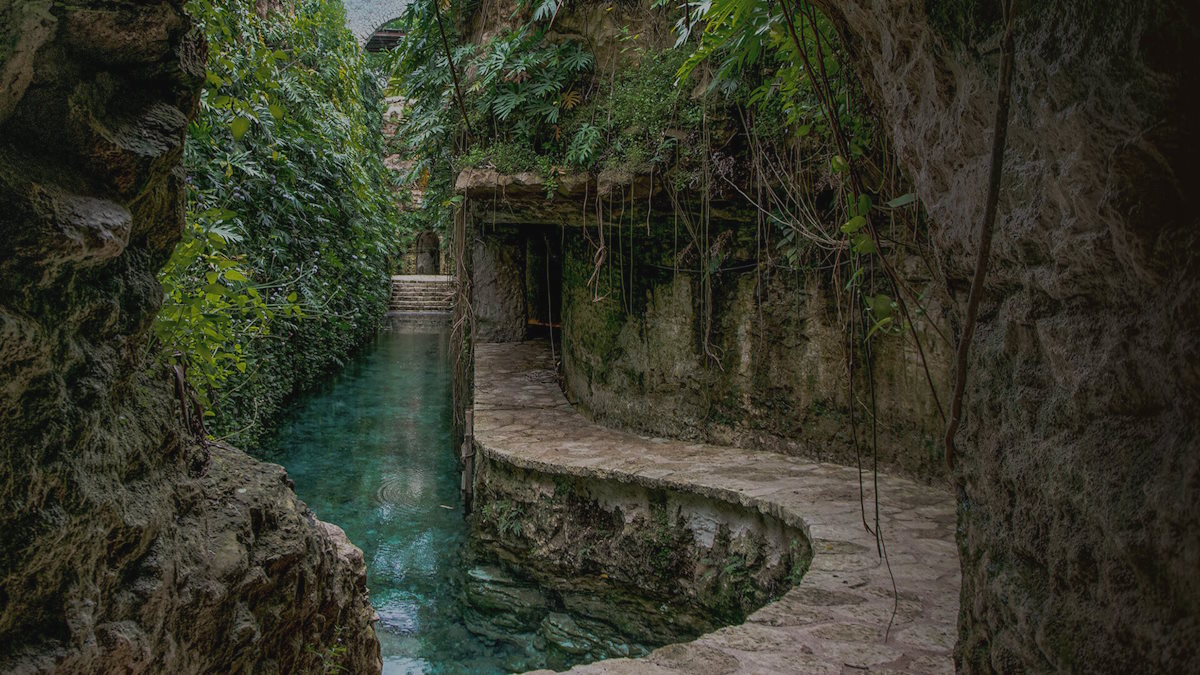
596	640
564	633
490	589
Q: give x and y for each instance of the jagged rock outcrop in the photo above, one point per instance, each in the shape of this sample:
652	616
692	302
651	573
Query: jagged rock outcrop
1079	475
125	545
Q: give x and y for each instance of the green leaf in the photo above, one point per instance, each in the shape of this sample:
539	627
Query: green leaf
239	126
854	225
902	200
880	305
882	324
276	111
864	245
838	164
234	275
292	296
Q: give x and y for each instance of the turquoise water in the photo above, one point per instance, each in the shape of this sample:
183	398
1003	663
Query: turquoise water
371	451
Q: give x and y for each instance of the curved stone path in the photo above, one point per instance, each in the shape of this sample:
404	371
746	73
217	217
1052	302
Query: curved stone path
833	621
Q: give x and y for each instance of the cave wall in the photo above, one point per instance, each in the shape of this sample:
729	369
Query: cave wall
774	375
769	368
127	546
1079	473
498	283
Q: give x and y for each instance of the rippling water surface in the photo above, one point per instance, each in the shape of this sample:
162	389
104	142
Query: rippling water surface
371	451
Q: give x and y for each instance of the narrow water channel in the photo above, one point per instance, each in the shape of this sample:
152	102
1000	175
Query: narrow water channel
371	452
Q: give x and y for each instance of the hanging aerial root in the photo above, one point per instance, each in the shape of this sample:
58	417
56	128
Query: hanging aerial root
999	138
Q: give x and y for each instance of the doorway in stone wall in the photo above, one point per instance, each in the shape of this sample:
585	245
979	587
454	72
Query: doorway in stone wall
428	253
543	281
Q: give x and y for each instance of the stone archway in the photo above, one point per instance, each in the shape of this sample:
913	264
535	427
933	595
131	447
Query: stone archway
364	16
428	253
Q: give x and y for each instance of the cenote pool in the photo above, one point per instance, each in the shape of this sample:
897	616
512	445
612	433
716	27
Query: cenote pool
371	451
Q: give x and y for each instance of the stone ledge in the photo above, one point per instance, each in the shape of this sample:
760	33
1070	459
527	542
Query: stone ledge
837	617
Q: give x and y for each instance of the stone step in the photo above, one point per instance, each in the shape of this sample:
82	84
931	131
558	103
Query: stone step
421	305
446	302
422	277
426	301
422	294
424	291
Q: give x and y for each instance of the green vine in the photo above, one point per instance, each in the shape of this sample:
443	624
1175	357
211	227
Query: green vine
282	270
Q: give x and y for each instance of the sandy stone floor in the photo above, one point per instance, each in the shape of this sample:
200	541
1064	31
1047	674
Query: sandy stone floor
835	620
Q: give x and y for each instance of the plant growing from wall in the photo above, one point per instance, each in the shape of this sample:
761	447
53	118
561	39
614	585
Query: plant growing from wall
282	270
793	49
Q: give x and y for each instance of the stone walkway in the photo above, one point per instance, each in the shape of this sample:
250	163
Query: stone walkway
832	622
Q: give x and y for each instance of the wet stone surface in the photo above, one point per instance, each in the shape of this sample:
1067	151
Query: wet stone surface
837	618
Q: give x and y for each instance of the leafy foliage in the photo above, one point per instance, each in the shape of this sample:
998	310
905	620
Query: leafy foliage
282	270
757	62
520	87
533	100
584	146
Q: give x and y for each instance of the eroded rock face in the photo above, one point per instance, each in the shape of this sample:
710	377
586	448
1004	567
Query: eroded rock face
768	371
710	562
1079	479
126	547
499	282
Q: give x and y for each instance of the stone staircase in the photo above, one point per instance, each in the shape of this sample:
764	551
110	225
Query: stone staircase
422	294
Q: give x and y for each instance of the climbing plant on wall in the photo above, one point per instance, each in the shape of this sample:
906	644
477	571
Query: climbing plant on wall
282	270
802	75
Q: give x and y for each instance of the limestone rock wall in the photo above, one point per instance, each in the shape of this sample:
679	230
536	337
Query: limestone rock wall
498	280
712	562
1079	479
126	546
774	373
